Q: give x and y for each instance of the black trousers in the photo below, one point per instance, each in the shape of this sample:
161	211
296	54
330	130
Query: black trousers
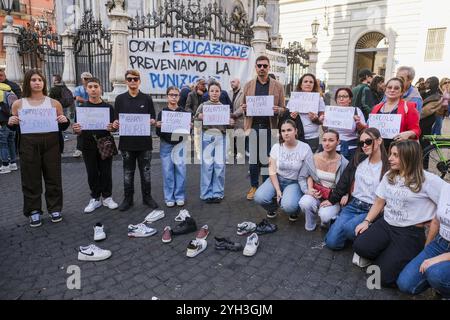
99	173
143	159
391	248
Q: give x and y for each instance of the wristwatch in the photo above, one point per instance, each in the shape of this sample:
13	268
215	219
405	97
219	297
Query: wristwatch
368	221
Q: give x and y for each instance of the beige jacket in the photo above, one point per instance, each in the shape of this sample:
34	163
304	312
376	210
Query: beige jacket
237	109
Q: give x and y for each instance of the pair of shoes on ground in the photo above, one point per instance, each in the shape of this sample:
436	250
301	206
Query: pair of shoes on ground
36	221
93	252
8	169
171	204
263	227
97	203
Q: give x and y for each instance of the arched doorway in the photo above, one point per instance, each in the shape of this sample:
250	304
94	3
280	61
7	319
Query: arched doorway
371	52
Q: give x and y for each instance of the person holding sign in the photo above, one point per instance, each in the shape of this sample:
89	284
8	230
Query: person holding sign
394	104
257	127
135	148
407	196
99	170
172	153
212	180
40	151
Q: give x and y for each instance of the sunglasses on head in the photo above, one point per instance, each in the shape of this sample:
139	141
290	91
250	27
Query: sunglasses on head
367	142
260	65
133	79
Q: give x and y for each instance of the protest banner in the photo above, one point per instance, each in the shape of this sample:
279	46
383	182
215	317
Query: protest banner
38	120
339	117
278	65
304	102
388	124
165	62
91	118
176	122
259	106
216	115
134	124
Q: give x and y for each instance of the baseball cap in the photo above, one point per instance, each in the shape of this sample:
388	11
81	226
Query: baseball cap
86	75
365	73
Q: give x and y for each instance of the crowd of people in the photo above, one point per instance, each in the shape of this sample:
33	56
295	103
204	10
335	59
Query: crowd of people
365	191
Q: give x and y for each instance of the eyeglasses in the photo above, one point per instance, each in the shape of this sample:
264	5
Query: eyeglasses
367	142
133	79
343	97
265	66
173	95
396	88
447	82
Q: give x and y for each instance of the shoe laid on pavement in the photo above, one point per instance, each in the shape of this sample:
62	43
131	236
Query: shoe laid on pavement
180	203
99	232
35	219
252	245
155	215
5	169
360	261
167	235
56	217
195	247
93	204
170	204
203	232
13	166
140	231
187	226
93	253
182	215
265	227
251	193
227	244
77	154
110	203
272	215
245	227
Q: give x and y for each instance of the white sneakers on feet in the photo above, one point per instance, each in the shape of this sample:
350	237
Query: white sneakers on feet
93	253
170	204
93	204
182	215
99	232
155	215
13	166
110	203
180	203
140	231
251	245
195	247
5	169
360	261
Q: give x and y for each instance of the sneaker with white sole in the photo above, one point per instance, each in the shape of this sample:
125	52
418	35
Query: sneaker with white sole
167	235
180	203
93	204
5	169
155	215
13	166
170	204
93	253
182	215
195	247
56	217
77	154
35	219
110	203
99	232
360	261
245	228
140	231
252	245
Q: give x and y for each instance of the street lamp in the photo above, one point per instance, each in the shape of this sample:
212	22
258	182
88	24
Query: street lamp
7	6
315	27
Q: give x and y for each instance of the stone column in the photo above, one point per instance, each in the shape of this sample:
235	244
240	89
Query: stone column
260	32
69	75
10	42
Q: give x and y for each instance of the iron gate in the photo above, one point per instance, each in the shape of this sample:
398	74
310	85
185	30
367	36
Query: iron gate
298	62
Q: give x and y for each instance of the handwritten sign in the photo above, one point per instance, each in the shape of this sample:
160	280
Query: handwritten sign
176	122
38	120
304	102
339	117
259	106
91	118
278	65
388	124
216	115
133	124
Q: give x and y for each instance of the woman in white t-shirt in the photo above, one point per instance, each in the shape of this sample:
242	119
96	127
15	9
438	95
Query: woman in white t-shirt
288	170
408	195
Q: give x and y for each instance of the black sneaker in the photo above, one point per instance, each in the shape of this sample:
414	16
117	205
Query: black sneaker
226	244
272	215
217	200
187	226
126	204
35	219
56	217
151	203
293	217
209	200
265	227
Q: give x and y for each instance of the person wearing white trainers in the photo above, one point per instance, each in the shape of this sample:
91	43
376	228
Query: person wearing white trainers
195	247
13	167
93	253
140	231
182	215
252	245
99	232
98	165
5	169
155	215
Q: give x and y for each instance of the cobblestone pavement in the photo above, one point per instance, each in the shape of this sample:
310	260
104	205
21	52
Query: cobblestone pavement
289	264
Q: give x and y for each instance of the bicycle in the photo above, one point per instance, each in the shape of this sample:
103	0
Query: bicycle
436	156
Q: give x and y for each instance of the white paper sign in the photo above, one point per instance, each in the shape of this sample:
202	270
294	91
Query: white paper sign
216	115
339	117
91	118
388	124
38	120
176	122
134	124
260	106
304	102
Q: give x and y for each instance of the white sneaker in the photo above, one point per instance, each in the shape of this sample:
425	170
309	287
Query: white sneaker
155	215
195	247
5	169
140	231
109	202
77	154
360	261
170	204
180	203
93	253
251	245
99	232
182	215
13	166
93	204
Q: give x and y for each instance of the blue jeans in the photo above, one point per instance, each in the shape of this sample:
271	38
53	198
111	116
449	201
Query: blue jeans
292	193
346	152
343	228
7	145
437	276
174	170
437	127
212	177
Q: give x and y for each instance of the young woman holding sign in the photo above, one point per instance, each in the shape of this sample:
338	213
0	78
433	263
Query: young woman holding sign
40	153
408	196
172	153
409	125
99	169
212	181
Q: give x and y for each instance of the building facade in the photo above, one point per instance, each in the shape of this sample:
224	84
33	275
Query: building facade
380	35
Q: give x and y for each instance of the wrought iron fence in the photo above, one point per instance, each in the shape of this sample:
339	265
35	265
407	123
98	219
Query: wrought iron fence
298	62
